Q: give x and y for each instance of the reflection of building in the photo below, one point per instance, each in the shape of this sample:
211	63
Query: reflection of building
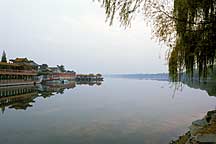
17	97
22	97
89	79
18	71
49	90
90	83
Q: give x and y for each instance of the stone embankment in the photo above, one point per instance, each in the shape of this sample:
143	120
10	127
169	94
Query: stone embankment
201	131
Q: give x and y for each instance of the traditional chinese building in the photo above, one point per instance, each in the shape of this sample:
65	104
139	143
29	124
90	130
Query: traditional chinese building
18	71
55	74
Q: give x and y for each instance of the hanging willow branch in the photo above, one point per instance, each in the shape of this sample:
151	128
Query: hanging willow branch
188	27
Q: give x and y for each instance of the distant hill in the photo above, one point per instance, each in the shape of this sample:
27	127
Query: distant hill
159	76
209	86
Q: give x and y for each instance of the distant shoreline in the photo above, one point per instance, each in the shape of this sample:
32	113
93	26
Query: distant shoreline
159	76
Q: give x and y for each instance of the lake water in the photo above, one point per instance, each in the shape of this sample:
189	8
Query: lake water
119	111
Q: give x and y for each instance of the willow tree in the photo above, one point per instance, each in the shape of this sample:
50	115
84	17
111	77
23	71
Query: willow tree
187	27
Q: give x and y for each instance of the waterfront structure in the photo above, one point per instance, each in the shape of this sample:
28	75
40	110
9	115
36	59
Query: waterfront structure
25	63
18	71
89	77
64	76
54	69
21	71
59	77
56	75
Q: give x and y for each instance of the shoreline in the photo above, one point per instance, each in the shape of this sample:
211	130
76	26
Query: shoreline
201	131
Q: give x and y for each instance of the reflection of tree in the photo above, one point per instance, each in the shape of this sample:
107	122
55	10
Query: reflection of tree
56	88
2	109
201	131
46	94
209	87
98	83
21	102
90	83
24	104
61	91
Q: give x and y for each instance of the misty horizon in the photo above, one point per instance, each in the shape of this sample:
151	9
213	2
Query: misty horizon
75	34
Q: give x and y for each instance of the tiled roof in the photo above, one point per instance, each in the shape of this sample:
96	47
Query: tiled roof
9	64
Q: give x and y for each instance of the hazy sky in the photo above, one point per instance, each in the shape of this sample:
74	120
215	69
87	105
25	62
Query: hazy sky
74	33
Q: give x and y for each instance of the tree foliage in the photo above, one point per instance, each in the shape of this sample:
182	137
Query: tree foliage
4	58
61	68
187	27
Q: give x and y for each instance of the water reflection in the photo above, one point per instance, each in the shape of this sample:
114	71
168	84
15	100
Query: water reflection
119	111
200	131
209	87
22	97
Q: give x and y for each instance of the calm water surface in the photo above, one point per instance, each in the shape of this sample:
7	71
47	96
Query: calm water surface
120	111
